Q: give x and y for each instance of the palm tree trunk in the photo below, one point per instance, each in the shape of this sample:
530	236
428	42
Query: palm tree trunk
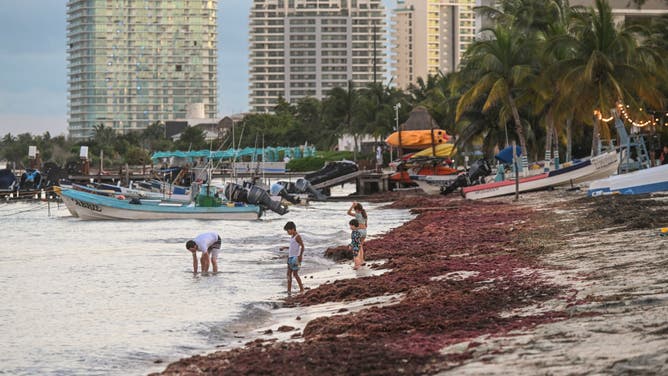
555	154
520	133
569	139
595	137
548	141
355	147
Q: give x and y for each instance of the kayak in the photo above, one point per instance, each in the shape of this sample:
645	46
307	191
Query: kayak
442	150
425	170
418	139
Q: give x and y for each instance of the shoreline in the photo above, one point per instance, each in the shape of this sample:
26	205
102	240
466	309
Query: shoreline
466	286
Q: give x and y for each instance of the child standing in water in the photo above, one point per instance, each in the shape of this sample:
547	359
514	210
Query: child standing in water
356	210
356	243
295	253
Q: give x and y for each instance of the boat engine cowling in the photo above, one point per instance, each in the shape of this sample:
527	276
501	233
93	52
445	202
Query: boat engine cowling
479	169
259	196
254	196
304	185
278	189
235	192
475	175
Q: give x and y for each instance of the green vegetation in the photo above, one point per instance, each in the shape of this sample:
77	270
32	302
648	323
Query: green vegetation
546	75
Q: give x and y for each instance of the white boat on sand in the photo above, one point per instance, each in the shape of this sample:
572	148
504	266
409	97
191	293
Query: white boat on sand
597	167
648	180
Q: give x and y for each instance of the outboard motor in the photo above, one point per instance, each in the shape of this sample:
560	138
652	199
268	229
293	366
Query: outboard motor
255	196
479	170
288	185
259	196
278	189
30	180
8	181
304	185
475	175
235	192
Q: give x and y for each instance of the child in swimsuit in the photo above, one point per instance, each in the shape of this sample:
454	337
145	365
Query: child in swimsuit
295	254
355	243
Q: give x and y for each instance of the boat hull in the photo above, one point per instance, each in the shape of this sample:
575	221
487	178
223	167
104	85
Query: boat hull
89	206
650	180
595	168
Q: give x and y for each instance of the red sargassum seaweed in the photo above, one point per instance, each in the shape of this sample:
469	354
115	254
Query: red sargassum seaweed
437	309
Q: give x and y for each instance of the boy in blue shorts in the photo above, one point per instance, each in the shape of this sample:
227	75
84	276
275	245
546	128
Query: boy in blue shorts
295	253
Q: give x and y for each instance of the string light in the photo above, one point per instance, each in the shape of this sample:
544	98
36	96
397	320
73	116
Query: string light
598	114
622	111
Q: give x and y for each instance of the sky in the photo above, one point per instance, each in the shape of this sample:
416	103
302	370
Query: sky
33	63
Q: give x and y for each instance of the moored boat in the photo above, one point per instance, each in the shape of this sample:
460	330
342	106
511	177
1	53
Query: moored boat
145	190
597	167
648	180
91	206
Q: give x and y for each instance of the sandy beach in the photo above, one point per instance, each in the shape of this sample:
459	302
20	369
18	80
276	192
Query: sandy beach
555	283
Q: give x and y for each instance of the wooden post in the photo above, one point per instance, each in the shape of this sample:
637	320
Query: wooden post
101	162
400	151
517	173
433	143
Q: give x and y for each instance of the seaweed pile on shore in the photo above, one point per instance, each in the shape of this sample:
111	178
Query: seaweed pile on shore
460	270
627	212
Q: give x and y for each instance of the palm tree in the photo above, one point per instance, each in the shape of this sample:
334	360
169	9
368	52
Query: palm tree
342	110
607	64
376	108
502	66
549	103
438	97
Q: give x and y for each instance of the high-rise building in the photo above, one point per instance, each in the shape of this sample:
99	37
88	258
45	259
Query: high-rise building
429	36
623	10
301	48
136	62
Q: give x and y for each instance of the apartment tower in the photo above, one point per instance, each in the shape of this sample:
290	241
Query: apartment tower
136	62
429	36
301	48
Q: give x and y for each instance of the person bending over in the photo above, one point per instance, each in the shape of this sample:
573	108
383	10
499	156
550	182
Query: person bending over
208	244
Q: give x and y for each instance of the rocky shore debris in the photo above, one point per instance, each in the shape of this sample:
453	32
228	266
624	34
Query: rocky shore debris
471	276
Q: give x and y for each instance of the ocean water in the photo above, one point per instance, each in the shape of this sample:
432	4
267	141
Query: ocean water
113	297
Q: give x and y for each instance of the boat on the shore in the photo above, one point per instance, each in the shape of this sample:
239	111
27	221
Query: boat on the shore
154	190
92	206
648	180
580	171
431	175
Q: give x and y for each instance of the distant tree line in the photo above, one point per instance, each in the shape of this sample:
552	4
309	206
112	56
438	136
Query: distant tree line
546	75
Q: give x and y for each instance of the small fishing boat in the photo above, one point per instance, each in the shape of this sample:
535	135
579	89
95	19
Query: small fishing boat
580	171
149	190
92	206
648	180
